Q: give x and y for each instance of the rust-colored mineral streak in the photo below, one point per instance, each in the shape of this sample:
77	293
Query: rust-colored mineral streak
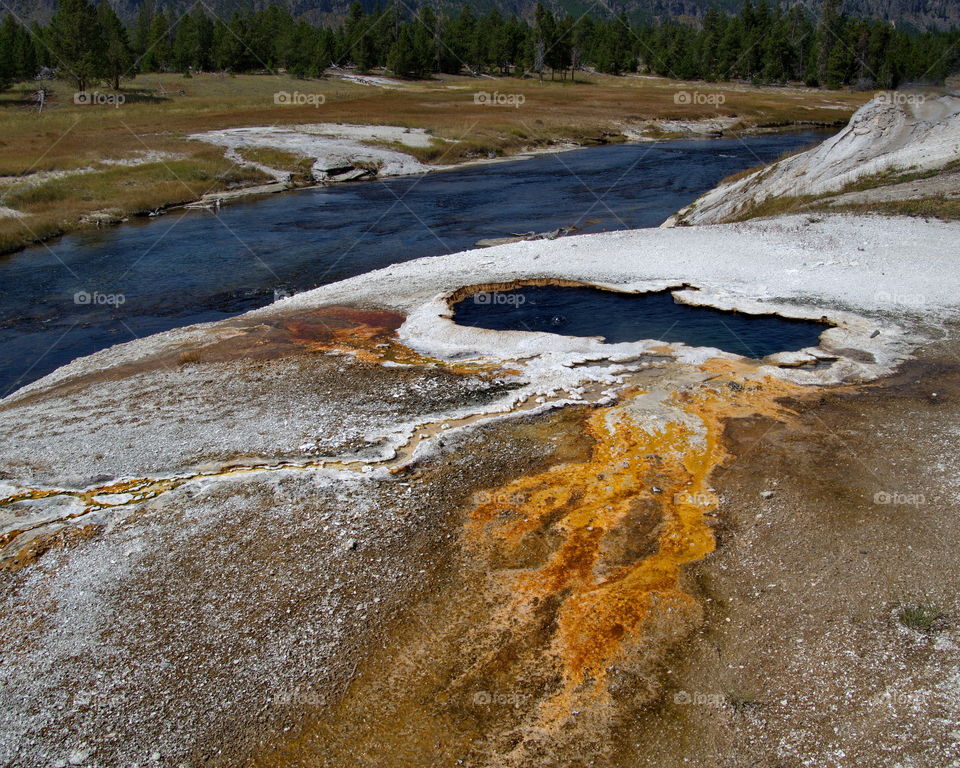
607	592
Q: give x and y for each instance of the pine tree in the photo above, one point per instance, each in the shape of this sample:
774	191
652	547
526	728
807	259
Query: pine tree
713	26
223	46
231	49
761	42
18	52
25	47
544	33
77	44
8	42
184	44
324	52
560	60
826	37
622	50
402	57
485	44
303	42
801	33
238	39
385	31
359	39
141	30
841	63
273	38
580	36
731	45
760	33
156	55
863	75
425	41
117	57
448	56
463	40
203	53
779	55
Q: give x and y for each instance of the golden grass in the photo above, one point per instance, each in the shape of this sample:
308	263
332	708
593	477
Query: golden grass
897	176
155	118
939	207
776	206
274	158
297	165
61	204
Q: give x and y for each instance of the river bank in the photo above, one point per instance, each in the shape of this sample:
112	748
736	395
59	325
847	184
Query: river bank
138	158
357	163
198	266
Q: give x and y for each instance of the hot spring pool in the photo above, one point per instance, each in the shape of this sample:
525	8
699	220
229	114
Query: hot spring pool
621	317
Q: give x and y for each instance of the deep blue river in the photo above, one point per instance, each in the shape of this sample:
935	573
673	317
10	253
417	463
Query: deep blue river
89	291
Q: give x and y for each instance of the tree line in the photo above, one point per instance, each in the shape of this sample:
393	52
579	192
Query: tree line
763	43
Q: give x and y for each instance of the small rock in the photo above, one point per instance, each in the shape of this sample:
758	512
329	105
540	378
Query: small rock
766	494
78	756
154	757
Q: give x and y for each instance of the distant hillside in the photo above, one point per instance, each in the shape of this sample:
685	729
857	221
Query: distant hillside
919	14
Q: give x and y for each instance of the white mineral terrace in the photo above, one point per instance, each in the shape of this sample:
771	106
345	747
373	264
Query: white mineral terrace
893	133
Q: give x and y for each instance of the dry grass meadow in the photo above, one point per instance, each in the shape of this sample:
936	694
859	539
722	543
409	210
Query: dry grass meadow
41	151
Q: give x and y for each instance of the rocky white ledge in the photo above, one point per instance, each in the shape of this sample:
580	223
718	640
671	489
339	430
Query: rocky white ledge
893	132
881	282
339	152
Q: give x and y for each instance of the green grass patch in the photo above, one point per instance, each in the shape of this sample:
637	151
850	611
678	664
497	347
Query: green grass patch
921	617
